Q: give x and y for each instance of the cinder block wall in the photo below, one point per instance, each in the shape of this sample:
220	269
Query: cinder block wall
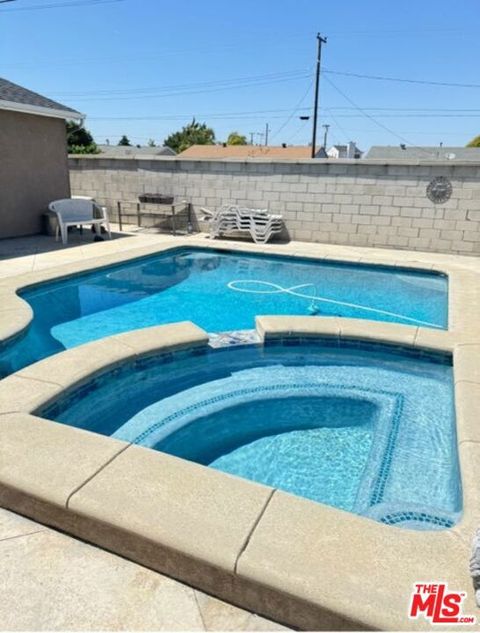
340	202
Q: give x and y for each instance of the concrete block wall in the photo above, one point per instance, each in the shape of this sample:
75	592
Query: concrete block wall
361	202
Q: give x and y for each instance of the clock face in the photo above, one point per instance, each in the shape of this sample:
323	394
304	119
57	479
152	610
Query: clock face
439	189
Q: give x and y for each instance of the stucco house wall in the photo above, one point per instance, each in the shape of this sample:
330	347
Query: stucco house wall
33	170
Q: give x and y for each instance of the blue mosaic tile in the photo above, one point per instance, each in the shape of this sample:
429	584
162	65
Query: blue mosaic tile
397	518
381	481
246	392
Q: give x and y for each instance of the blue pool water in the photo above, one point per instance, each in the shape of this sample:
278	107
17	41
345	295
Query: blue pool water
219	292
368	429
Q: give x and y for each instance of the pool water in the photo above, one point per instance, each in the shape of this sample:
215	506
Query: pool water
315	447
218	291
367	429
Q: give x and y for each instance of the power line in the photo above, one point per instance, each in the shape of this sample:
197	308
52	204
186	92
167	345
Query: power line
329	109
233	85
247	81
401	79
172	52
188	117
296	109
196	84
340	127
389	109
60	5
248	117
171	117
399	31
373	119
300	128
431	115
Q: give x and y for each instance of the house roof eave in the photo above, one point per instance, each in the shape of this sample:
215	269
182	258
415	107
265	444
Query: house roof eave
41	111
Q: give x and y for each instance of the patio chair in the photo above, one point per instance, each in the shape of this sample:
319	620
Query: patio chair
78	212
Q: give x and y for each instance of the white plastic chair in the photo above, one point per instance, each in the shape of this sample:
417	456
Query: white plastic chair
77	212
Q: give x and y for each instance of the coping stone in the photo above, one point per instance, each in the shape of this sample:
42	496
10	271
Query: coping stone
349	565
177	504
48	460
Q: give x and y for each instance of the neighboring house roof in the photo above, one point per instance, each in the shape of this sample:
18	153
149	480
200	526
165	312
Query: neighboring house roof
345	151
291	152
121	151
16	98
395	152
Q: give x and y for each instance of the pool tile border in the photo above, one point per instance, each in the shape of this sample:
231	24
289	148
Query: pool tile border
302	563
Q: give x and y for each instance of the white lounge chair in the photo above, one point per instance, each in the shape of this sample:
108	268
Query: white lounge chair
260	224
77	212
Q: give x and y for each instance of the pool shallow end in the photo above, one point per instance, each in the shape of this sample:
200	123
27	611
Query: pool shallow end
307	565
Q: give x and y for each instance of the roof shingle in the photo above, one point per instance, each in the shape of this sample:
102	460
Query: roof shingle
129	151
17	94
395	152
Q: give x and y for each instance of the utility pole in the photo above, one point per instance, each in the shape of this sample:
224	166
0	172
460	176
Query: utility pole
251	137
266	134
325	136
320	40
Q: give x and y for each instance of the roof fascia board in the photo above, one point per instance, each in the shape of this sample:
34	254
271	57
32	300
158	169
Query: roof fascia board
40	110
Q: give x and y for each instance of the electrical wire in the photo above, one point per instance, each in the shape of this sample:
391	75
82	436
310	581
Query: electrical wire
296	109
297	132
373	119
412	116
401	79
346	137
197	84
260	114
60	5
229	86
383	109
181	117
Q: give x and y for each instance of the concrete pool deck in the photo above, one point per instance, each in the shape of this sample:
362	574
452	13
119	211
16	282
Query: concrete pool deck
302	563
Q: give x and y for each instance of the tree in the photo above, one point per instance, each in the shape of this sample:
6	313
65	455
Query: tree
192	134
151	143
475	142
124	141
79	140
234	138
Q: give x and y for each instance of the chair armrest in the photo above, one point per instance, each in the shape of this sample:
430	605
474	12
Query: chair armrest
101	210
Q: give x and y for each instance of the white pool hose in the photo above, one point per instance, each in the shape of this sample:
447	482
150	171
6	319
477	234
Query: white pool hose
271	288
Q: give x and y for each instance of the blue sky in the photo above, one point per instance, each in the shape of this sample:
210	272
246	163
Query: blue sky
145	67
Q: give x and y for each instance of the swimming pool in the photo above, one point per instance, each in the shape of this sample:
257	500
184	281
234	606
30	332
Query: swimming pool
367	429
219	291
